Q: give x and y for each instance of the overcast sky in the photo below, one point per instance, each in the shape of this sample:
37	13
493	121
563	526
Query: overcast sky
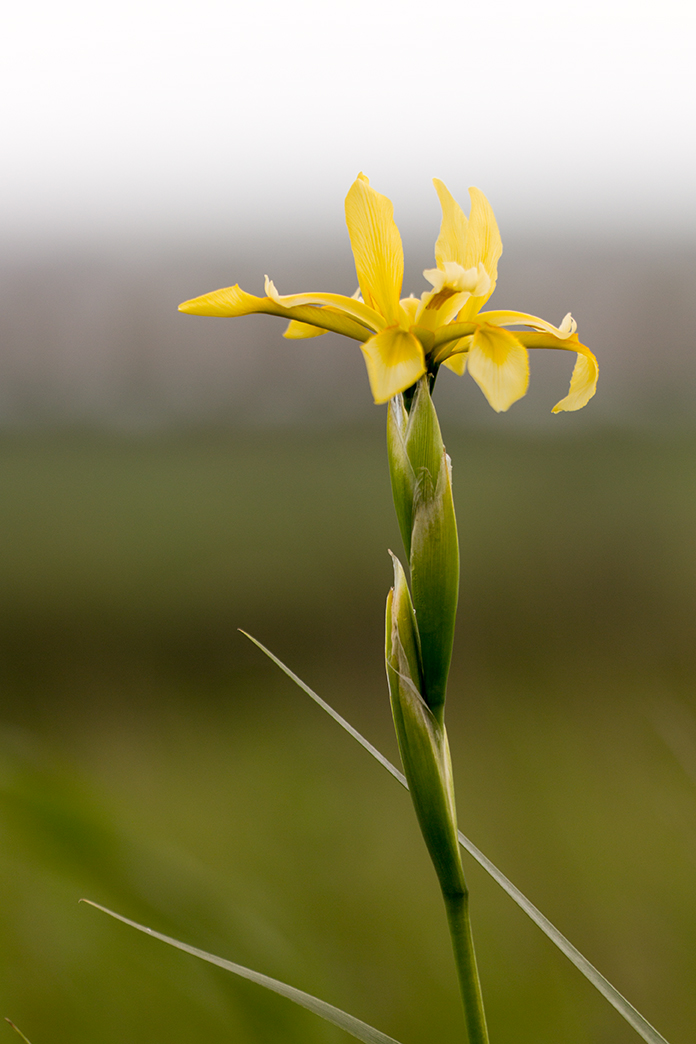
221	116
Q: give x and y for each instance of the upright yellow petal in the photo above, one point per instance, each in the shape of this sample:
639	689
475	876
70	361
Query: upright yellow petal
451	243
483	246
377	249
395	360
483	243
500	366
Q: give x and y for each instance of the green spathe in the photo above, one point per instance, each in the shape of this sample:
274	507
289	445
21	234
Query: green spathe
422	739
422	489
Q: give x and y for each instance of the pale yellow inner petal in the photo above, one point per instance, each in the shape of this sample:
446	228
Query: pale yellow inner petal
377	249
395	361
499	365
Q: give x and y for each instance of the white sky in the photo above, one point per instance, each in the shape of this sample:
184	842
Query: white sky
218	115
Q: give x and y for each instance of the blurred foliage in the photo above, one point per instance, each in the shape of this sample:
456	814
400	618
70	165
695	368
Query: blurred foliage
153	761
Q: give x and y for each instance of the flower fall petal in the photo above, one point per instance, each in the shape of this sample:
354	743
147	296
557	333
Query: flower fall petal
230	301
339	302
301	331
583	382
499	364
504	318
395	360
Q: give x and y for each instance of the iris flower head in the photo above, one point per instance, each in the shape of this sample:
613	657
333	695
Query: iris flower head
404	338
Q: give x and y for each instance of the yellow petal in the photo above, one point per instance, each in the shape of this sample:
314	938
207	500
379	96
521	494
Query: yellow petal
499	364
583	382
409	307
230	301
298	331
395	360
483	246
457	362
233	301
348	305
566	329
376	243
451	243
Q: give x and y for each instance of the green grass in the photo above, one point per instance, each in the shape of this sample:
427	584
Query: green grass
152	760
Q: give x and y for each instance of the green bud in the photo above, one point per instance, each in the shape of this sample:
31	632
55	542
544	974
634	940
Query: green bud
422	739
401	473
433	547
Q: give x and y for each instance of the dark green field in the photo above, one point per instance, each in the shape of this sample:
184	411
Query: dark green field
152	759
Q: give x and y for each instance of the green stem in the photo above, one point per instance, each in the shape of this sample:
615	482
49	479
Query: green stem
457	907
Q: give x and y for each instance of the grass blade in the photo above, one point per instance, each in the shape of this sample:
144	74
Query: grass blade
17	1030
632	1016
357	1028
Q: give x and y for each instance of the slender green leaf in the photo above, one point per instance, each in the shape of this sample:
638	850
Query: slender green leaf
17	1030
356	1028
632	1016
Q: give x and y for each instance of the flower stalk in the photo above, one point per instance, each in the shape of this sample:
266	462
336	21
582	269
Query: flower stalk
419	637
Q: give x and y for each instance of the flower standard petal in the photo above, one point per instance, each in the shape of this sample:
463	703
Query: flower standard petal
451	243
483	247
377	249
395	360
499	364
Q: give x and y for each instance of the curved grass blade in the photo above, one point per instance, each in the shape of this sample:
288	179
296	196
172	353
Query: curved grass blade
361	1030
16	1029
624	1007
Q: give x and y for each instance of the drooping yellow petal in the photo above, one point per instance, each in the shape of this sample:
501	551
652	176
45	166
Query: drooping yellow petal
504	318
499	364
451	243
395	360
348	305
233	301
377	249
583	382
457	361
230	301
301	331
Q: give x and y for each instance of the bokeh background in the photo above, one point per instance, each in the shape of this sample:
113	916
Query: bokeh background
168	479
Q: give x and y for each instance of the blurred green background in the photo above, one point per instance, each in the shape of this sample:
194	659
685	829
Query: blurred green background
151	759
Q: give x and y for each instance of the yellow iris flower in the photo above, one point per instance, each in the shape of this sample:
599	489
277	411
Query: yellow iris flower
404	338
